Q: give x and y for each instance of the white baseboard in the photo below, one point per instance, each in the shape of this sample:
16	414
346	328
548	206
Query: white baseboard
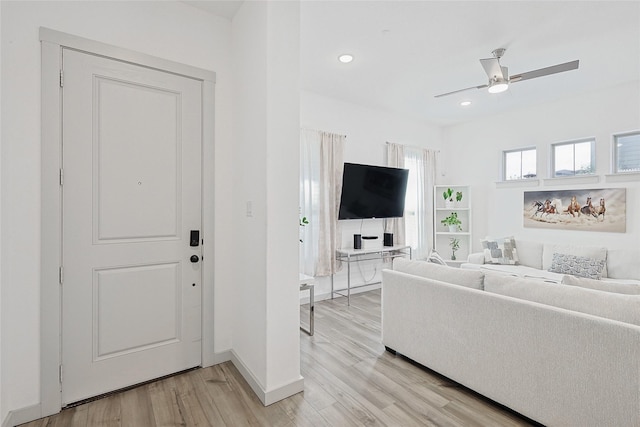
22	415
266	397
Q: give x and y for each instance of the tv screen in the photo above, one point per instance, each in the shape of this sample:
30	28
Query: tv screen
372	192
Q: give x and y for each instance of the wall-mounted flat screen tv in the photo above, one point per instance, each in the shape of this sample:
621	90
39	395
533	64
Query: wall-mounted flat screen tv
372	192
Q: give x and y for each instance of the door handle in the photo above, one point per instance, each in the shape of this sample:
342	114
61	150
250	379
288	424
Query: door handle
194	258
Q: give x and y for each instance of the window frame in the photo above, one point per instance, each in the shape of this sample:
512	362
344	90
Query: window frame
518	150
573	142
615	154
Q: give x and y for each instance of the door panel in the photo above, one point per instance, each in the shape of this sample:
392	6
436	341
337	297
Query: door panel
131	297
112	314
133	121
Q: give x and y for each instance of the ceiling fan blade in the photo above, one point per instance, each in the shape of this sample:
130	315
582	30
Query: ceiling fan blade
492	67
567	66
460	90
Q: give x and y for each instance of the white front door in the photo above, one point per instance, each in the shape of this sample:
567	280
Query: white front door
131	185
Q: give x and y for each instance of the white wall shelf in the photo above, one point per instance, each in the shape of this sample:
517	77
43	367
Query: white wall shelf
443	236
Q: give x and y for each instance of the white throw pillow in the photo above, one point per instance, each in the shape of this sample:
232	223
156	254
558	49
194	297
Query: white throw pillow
435	258
577	266
598	253
500	251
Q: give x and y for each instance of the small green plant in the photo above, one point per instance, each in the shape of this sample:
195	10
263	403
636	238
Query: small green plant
303	221
458	196
452	220
455	245
448	195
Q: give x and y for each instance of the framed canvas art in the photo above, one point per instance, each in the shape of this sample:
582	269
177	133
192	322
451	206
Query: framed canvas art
585	209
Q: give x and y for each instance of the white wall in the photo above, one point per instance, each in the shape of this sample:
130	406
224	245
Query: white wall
474	156
2	404
168	30
266	157
367	130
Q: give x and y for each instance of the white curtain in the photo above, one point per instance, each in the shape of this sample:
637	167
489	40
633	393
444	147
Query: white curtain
417	224
395	158
321	166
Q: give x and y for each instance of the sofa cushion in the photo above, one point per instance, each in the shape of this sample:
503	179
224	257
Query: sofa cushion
577	266
602	285
500	251
522	271
623	308
530	253
623	264
443	273
597	253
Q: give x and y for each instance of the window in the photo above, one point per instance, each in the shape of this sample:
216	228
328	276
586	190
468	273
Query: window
519	164
626	152
573	158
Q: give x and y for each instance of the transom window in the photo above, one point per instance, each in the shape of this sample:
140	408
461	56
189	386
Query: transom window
573	158
626	152
519	164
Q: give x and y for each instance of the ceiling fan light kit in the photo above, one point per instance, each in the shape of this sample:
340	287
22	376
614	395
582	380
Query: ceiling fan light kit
498	85
499	76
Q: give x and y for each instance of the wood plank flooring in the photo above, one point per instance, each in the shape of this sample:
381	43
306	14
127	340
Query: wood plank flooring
350	380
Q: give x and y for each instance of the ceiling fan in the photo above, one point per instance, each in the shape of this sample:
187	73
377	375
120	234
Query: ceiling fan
499	79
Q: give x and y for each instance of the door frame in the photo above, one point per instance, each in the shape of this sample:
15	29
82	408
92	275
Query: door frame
52	43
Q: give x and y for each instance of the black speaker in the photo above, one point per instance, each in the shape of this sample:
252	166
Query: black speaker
388	239
357	241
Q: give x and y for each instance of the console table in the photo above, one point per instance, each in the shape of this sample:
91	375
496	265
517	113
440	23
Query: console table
357	255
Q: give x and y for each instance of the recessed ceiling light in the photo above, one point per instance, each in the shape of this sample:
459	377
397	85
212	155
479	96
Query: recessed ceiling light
345	58
465	103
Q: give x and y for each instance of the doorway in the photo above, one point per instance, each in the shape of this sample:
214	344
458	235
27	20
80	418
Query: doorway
138	224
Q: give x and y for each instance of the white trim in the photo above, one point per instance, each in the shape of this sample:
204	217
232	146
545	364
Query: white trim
622	177
126	55
570	180
513	183
52	43
271	396
22	415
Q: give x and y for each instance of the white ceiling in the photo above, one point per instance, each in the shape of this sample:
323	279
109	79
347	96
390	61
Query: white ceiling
408	51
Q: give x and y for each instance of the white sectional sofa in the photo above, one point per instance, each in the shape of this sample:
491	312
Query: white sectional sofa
560	355
621	268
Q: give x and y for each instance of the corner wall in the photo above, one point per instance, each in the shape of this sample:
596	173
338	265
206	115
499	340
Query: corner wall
265	181
498	211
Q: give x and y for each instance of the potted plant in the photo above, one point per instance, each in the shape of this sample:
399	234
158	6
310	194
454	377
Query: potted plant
458	197
455	245
453	222
303	221
448	197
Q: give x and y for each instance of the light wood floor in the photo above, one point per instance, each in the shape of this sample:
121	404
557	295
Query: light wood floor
350	380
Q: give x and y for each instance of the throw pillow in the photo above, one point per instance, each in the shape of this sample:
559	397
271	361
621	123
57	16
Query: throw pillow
594	252
602	285
577	265
500	251
435	258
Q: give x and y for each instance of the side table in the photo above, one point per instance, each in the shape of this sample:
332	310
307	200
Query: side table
306	283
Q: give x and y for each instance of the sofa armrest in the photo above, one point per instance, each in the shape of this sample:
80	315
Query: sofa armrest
476	258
